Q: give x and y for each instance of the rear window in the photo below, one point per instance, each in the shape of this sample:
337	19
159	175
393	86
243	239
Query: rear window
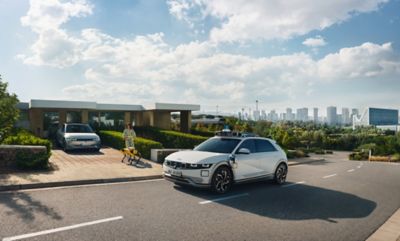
218	145
78	129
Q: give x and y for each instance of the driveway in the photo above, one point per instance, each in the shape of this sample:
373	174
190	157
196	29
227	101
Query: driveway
78	166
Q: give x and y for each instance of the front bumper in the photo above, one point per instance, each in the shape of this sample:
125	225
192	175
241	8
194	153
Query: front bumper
188	177
74	145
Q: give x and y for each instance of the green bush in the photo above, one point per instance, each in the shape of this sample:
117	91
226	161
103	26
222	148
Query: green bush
26	138
27	160
395	157
295	154
114	139
170	139
358	156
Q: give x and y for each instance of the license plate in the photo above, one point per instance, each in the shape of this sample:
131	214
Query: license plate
175	173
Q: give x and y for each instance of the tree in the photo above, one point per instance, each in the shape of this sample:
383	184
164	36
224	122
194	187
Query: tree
8	110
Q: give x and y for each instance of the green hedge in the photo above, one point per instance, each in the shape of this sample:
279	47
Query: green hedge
171	139
114	139
27	160
26	138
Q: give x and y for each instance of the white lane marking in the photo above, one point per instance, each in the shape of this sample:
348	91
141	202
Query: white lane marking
224	198
351	170
84	185
293	184
358	166
328	176
30	235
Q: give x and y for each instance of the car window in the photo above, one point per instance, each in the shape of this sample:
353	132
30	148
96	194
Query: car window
249	144
264	146
78	129
218	145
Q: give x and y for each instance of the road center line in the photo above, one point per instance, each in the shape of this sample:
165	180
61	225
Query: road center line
293	184
351	170
49	231
332	175
223	198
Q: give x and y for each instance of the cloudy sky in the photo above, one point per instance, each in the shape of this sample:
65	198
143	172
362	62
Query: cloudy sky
228	53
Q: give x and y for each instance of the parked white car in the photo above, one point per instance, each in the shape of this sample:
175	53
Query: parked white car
73	136
221	161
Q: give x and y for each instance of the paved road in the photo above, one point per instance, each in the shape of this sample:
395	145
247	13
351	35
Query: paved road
332	200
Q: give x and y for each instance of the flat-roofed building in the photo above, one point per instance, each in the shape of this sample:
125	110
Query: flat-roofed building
42	115
377	117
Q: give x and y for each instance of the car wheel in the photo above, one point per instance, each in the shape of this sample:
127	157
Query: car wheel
280	174
222	180
64	146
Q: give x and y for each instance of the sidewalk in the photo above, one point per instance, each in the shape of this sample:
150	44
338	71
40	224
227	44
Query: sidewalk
91	168
82	168
389	231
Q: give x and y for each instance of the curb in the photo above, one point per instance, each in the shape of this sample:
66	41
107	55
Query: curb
306	162
75	183
389	231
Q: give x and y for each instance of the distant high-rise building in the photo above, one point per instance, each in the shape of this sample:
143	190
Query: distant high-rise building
331	115
354	112
345	116
256	115
302	114
315	112
263	115
289	114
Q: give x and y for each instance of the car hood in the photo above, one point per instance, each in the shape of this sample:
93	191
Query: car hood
197	157
81	135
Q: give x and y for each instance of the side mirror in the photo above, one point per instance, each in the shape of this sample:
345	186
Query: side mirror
244	151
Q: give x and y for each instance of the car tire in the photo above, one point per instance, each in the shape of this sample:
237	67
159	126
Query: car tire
222	180
64	146
280	174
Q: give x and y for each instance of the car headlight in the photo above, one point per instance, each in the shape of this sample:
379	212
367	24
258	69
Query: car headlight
198	166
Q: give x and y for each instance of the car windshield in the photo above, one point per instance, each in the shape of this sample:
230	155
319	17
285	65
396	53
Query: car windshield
218	145
79	129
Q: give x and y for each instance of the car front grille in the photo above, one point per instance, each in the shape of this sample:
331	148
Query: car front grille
175	165
83	139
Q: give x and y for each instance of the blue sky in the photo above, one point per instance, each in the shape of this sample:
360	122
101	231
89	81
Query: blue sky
224	52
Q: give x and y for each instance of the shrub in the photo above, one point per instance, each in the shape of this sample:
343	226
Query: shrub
29	160
395	157
26	138
170	139
114	139
379	159
358	156
295	154
328	152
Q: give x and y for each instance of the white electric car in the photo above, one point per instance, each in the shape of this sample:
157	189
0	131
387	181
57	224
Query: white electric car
221	161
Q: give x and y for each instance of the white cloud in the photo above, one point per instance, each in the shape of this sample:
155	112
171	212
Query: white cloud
54	47
318	41
144	68
243	20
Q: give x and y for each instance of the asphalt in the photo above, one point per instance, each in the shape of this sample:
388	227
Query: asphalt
330	200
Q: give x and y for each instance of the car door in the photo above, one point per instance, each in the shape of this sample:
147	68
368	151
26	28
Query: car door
247	164
268	155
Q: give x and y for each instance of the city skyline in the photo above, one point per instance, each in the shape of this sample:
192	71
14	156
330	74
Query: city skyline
342	53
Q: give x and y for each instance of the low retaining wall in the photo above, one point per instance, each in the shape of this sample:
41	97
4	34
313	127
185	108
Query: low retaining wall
9	152
158	155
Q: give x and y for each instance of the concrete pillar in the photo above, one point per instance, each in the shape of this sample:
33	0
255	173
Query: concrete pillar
137	116
148	118
36	119
162	119
85	116
186	121
127	118
62	116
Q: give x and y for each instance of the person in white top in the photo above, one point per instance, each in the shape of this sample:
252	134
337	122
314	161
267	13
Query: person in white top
129	136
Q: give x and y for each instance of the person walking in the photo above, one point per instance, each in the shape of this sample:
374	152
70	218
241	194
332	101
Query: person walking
129	136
